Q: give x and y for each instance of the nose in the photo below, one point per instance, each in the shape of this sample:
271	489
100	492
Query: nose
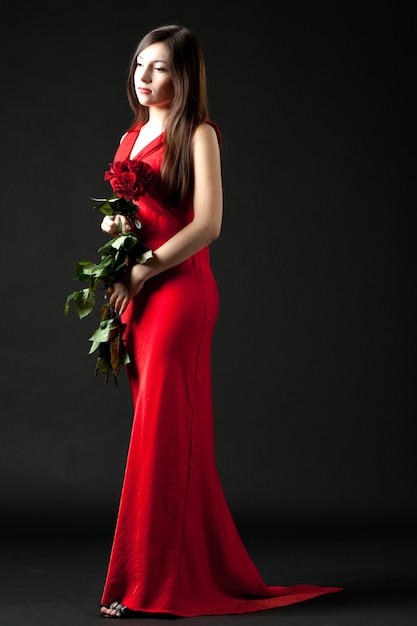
143	74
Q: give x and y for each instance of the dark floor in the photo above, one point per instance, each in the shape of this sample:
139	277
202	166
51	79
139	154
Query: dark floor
58	580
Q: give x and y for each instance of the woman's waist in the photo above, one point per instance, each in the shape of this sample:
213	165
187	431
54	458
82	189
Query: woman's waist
157	223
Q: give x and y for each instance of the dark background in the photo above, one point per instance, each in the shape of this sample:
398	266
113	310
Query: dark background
314	360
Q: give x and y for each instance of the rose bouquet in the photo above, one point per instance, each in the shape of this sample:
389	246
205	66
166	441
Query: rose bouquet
129	179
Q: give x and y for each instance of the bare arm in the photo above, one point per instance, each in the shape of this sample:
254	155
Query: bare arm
202	230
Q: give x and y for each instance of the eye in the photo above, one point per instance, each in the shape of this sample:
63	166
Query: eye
160	69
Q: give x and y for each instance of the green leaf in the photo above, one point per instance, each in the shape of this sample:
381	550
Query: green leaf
145	256
116	206
67	302
84	270
104	268
84	301
124	241
102	333
107	206
112	354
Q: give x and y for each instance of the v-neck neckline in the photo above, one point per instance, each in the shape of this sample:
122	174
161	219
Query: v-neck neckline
146	147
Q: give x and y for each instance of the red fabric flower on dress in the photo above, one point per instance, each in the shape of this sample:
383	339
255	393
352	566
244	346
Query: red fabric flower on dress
130	179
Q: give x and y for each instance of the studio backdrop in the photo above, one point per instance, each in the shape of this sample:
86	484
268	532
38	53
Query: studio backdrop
314	368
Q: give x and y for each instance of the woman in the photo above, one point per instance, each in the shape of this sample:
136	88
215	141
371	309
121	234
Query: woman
176	550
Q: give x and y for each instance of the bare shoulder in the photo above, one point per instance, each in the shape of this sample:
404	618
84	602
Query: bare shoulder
205	134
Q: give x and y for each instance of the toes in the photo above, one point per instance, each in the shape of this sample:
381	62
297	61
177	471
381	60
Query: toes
115	609
109	610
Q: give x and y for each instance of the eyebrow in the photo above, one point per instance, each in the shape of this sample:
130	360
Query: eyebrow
154	61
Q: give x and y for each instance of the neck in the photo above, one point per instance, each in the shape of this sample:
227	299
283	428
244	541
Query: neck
158	117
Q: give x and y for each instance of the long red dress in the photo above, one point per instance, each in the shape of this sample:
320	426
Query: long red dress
176	549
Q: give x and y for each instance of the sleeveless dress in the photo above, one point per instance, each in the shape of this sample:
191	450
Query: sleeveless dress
176	549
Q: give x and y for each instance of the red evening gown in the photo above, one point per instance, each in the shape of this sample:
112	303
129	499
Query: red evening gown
176	549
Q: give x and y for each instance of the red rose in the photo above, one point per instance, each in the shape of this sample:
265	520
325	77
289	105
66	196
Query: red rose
130	179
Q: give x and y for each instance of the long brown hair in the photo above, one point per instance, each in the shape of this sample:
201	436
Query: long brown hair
189	106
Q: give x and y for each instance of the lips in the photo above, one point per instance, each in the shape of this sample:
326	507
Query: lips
143	90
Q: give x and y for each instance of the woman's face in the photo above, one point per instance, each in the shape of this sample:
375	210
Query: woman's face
153	83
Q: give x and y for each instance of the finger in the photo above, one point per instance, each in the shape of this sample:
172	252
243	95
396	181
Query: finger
113	302
116	302
124	224
118	309
123	307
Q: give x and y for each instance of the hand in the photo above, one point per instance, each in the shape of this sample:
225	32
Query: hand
110	225
118	297
120	294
